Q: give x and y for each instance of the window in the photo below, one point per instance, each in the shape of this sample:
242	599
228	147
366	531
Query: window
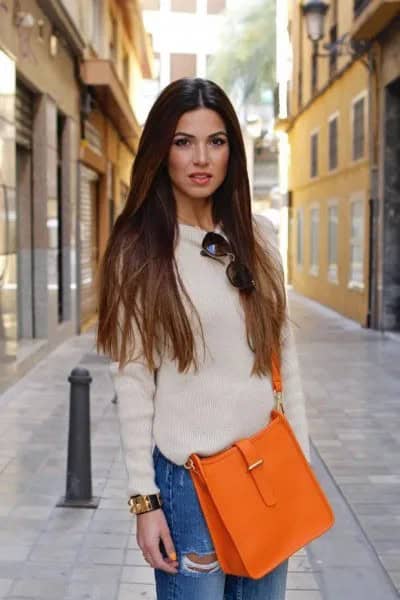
215	6
299	238
356	278
333	53
300	62
183	65
150	4
333	220
314	241
113	42
126	71
183	6
333	143
359	6
95	33
359	128
124	192
314	155
300	89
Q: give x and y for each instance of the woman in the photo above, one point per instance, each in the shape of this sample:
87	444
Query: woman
191	335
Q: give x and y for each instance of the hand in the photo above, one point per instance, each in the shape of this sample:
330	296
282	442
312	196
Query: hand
151	527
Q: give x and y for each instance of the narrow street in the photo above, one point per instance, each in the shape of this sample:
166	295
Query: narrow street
351	379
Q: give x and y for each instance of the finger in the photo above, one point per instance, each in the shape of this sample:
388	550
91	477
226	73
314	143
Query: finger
159	562
147	557
168	544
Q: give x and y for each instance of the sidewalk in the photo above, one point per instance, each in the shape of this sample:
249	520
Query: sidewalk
81	554
352	384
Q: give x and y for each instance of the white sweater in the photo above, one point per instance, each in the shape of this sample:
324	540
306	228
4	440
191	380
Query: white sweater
207	411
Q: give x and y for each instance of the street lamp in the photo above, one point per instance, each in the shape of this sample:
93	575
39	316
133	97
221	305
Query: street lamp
314	13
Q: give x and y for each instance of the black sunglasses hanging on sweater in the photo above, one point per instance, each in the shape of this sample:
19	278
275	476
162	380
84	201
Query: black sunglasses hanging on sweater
215	245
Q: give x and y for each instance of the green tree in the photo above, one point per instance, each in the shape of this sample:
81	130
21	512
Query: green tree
244	65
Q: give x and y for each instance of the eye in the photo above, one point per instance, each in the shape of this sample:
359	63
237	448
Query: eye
181	142
218	141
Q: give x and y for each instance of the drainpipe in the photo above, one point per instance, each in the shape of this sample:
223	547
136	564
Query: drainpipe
373	320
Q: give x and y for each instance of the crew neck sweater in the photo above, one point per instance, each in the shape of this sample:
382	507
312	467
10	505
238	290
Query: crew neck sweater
207	410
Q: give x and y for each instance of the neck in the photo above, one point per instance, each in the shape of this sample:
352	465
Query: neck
198	214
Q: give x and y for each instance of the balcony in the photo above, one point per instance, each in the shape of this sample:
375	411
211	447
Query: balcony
110	93
372	16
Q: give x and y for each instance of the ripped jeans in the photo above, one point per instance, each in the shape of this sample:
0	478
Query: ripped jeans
200	576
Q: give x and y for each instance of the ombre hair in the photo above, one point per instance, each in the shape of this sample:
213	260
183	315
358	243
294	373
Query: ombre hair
141	296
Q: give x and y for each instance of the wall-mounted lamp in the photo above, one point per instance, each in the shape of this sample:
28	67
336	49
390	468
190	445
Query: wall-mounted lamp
314	13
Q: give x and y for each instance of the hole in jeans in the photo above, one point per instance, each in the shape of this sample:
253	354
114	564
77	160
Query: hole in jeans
200	563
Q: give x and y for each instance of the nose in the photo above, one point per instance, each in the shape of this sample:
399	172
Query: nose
200	154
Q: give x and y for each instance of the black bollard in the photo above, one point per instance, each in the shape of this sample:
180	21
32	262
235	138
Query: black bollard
79	472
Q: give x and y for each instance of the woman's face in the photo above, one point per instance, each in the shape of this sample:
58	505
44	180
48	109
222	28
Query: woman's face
198	158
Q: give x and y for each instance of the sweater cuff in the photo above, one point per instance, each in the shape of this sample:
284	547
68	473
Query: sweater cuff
144	487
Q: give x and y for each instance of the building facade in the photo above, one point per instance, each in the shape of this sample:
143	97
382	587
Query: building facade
39	136
328	185
117	57
69	92
338	121
378	24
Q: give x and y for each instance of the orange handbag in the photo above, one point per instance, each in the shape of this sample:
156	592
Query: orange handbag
260	498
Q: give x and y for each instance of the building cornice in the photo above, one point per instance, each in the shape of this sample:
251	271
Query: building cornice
101	76
59	16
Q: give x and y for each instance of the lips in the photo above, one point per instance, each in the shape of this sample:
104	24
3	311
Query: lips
200	178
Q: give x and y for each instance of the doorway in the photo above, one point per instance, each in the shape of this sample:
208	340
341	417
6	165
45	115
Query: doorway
391	209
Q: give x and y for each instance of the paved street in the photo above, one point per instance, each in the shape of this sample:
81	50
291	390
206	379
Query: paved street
352	381
352	384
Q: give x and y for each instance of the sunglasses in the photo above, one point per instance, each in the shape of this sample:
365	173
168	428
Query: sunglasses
215	245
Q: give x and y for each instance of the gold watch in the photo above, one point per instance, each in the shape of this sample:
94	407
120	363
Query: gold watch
140	504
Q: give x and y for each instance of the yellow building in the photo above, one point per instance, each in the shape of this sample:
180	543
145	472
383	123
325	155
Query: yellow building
328	185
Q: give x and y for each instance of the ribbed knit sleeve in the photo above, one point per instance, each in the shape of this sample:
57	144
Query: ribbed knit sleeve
135	387
293	395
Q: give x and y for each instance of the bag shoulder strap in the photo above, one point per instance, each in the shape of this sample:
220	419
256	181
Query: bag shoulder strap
276	373
277	382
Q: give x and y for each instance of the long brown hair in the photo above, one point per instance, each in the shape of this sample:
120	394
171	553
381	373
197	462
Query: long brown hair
141	296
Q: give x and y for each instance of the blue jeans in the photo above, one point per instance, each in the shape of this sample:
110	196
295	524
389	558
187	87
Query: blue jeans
190	536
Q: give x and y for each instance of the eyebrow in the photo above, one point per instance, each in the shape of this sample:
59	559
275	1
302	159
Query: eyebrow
189	135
